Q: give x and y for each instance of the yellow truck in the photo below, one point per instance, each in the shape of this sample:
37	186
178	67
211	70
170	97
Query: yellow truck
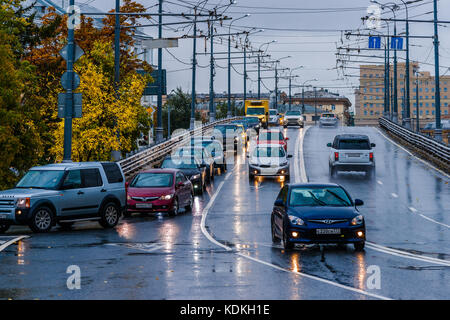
257	108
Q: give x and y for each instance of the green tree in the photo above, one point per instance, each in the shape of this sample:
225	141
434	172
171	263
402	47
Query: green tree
180	111
20	145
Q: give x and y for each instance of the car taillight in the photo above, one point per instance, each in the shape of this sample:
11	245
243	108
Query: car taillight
371	156
336	156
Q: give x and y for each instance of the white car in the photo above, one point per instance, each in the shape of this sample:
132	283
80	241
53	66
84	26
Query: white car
328	120
293	118
274	117
352	152
268	160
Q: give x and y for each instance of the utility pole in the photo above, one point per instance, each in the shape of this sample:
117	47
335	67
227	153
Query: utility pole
276	87
259	76
212	116
115	154
290	96
315	106
194	65
159	128
245	70
417	103
438	130
407	119
395	114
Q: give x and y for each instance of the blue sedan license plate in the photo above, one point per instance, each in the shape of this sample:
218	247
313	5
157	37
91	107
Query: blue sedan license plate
328	231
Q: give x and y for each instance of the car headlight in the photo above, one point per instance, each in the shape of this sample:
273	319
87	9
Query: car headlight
194	177
166	197
357	220
23	203
296	220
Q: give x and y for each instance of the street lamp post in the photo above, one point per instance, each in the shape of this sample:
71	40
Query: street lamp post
290	80
259	65
229	63
159	129
212	116
194	65
417	102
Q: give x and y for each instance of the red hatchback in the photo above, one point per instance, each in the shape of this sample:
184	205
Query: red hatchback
272	137
159	190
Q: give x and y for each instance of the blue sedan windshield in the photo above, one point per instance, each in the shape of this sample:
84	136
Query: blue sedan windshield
319	196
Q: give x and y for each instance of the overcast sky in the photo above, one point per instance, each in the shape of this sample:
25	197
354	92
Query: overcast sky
306	30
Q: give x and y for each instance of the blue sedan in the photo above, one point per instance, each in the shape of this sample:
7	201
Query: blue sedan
317	213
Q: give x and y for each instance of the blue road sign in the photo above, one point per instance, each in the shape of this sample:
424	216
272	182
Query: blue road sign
65	81
374	42
77	105
152	88
397	43
78	52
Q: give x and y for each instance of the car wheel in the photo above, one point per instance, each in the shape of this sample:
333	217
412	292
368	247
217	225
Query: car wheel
4	228
190	203
287	178
332	172
275	238
359	246
66	225
286	243
110	215
175	209
41	220
251	177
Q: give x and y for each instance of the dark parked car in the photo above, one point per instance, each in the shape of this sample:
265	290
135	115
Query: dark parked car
192	169
317	213
159	190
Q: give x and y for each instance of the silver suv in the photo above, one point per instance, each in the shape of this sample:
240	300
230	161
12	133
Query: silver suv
351	152
64	193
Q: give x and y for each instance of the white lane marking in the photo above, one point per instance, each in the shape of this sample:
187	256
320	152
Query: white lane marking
432	220
394	195
406	254
409	152
10	242
315	278
380	182
210	238
139	246
297	160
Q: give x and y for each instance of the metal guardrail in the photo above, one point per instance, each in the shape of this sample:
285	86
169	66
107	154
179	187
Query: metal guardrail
432	147
157	152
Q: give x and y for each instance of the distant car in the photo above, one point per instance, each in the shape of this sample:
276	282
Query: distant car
274	117
159	190
64	193
272	137
445	125
317	213
202	154
351	152
328	120
253	122
192	169
268	160
293	118
215	148
230	135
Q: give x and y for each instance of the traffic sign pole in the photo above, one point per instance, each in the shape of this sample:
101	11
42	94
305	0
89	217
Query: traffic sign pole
69	97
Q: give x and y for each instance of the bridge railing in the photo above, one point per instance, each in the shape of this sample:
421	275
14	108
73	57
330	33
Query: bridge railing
144	158
430	146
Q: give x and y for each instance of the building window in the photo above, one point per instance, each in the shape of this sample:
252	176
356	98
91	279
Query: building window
427	112
365	112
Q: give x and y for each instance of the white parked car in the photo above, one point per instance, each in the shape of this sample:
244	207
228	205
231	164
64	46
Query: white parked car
351	152
293	118
268	160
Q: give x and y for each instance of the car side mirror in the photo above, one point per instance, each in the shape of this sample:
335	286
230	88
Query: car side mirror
127	184
373	145
329	145
279	203
359	202
286	138
289	155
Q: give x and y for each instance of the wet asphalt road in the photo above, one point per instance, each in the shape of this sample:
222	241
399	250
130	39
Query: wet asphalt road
160	257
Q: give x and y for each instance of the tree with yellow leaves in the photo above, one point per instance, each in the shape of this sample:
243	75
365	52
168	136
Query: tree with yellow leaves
104	111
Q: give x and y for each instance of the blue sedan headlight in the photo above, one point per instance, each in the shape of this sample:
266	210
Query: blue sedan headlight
357	220
296	220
